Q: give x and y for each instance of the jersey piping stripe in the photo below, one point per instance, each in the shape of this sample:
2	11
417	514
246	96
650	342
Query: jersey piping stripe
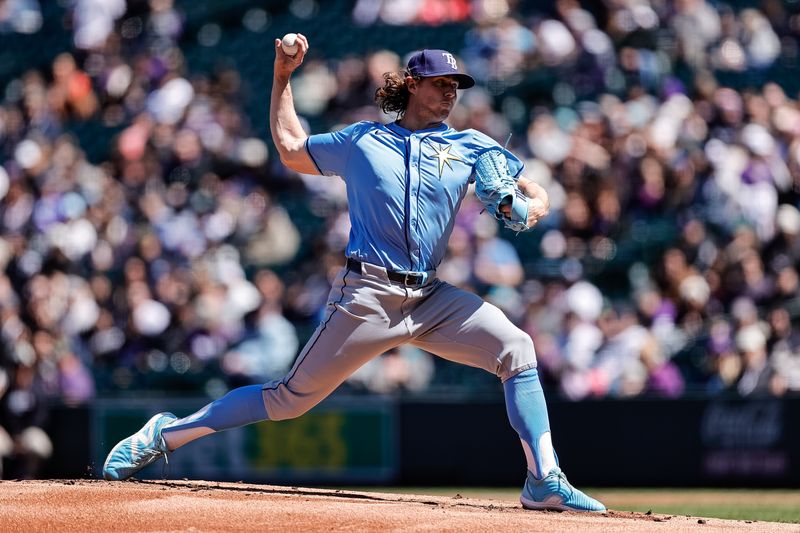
422	141
308	151
313	343
416	266
407	210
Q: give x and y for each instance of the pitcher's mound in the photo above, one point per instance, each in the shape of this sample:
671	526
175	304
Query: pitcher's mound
140	506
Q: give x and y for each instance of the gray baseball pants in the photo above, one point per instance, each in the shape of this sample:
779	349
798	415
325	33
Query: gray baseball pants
367	315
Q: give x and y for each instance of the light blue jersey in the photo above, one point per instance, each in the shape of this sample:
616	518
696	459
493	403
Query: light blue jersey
404	187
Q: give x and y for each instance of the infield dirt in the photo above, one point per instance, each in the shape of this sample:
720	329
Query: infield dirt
144	506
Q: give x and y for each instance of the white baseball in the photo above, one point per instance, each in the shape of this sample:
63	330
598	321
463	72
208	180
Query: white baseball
289	44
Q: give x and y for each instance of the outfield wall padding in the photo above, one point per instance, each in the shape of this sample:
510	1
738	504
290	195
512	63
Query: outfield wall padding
383	440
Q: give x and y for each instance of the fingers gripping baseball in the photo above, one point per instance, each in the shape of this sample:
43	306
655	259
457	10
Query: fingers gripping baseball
287	59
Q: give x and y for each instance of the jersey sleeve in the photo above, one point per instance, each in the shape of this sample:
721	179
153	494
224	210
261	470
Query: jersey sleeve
330	151
481	142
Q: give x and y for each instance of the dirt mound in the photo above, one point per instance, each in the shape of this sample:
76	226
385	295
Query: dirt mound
140	506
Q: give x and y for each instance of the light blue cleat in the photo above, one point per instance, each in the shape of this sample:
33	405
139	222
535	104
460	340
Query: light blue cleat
555	493
139	450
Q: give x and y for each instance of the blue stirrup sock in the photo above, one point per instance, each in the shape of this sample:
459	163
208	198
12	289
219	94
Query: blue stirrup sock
239	407
527	412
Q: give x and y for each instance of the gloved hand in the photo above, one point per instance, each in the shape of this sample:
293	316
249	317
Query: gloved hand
496	188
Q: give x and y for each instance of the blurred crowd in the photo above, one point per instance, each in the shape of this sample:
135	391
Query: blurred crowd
186	260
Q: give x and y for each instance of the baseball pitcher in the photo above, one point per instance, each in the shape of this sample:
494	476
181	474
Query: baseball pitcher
405	182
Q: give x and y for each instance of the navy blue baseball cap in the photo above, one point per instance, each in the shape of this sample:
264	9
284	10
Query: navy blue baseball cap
430	63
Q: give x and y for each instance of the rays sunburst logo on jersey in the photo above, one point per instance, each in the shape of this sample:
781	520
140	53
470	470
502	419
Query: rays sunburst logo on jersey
444	154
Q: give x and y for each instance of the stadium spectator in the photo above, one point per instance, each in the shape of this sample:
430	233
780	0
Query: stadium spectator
664	134
23	412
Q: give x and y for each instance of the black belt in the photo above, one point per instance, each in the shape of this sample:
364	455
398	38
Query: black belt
409	279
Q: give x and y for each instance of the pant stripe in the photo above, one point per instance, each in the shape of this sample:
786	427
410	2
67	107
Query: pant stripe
310	345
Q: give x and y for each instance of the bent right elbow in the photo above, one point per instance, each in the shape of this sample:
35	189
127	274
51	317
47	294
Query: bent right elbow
299	163
288	161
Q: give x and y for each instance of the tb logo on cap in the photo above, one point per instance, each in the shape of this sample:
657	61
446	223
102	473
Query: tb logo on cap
450	60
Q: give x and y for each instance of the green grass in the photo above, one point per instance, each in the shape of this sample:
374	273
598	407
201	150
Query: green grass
767	505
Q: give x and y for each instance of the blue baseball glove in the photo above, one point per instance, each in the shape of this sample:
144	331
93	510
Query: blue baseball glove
495	187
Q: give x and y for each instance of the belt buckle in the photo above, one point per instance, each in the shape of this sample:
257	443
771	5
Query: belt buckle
418	277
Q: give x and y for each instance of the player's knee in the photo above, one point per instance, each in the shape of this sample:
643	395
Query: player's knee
519	342
283	403
518	351
287	412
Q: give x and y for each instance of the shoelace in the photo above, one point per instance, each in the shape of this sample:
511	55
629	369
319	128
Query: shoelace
146	456
150	454
563	479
